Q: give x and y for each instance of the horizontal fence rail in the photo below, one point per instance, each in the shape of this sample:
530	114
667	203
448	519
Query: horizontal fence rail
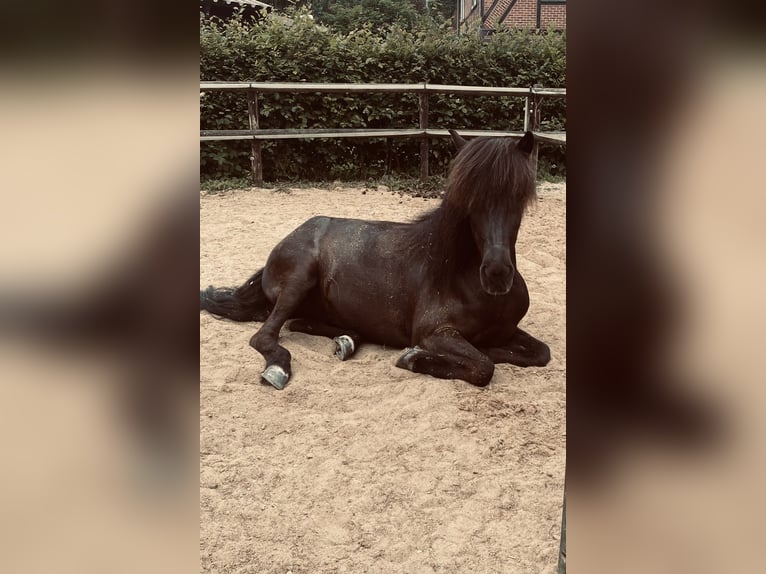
533	96
298	87
306	133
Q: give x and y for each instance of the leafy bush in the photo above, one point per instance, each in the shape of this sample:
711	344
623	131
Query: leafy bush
345	15
297	49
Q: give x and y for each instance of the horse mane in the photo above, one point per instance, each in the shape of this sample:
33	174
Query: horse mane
489	176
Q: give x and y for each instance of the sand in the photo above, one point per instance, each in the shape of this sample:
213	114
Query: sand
361	467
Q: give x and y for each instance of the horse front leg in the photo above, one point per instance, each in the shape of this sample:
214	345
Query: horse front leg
447	355
523	350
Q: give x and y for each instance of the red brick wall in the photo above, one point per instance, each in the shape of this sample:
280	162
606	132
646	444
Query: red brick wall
490	18
522	15
553	15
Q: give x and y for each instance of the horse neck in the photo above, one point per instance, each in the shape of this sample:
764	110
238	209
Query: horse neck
447	243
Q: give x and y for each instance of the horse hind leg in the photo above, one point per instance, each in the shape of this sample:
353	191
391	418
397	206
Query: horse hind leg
346	341
266	339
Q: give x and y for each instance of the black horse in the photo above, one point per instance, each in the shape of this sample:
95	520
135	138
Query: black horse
445	286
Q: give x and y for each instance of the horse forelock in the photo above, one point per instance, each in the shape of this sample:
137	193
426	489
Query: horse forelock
490	174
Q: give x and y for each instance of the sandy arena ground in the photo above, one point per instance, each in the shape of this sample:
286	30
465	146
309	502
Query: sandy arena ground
360	467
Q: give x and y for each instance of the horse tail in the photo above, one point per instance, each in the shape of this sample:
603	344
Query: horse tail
247	302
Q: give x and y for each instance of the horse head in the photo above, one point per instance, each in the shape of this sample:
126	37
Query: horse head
491	181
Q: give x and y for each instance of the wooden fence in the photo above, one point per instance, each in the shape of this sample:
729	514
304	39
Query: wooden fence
533	98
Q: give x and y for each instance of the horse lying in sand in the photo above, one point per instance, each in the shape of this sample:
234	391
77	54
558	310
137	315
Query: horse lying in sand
445	287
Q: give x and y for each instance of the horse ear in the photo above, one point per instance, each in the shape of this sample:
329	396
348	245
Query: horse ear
527	143
457	139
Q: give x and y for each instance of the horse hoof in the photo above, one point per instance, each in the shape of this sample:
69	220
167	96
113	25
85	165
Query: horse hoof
275	376
405	359
344	347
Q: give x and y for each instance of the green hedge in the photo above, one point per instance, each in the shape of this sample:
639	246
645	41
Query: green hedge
296	49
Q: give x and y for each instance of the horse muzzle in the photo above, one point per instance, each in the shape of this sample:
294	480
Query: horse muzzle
496	278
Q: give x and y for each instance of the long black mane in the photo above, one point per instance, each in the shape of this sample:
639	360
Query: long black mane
489	176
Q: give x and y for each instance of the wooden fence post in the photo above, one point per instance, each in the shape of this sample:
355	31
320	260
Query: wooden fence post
423	109
256	160
526	113
534	125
